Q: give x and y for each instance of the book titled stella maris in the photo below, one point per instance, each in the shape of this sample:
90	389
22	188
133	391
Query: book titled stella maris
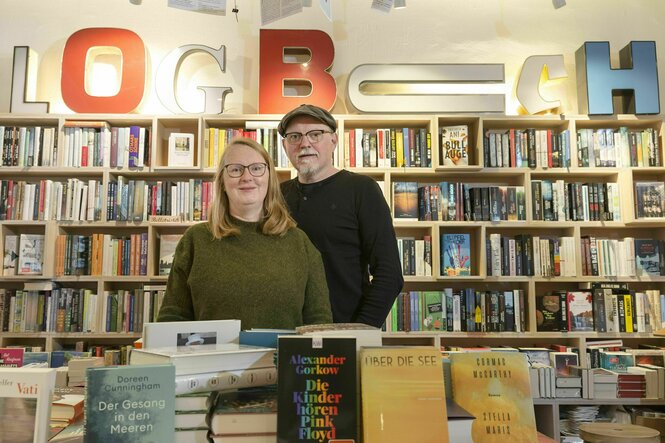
495	387
403	385
317	389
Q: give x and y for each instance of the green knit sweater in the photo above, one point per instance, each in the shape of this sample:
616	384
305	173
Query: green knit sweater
265	281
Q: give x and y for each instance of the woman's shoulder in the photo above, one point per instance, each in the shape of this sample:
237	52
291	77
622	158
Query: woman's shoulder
199	230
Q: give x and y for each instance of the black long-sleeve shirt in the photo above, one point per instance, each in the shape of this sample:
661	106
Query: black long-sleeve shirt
348	220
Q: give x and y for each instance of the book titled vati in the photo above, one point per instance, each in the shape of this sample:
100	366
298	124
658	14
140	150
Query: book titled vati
495	388
400	386
134	404
317	389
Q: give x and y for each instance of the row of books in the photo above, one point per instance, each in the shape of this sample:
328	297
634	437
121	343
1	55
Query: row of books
73	200
521	148
140	200
216	140
101	254
79	310
606	147
455	201
608	257
526	254
28	146
97	143
415	255
17	356
604	308
385	148
23	254
558	200
458	310
649	199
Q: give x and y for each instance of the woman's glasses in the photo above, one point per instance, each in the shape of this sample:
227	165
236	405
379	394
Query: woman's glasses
236	170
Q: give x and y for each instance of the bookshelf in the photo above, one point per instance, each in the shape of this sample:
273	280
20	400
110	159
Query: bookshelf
156	170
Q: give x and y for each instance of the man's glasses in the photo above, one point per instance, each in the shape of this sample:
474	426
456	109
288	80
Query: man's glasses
315	136
236	170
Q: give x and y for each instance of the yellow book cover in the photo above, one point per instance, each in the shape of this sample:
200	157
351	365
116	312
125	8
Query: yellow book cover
495	388
628	310
210	157
403	396
399	138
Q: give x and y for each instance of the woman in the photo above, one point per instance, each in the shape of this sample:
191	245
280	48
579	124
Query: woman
249	261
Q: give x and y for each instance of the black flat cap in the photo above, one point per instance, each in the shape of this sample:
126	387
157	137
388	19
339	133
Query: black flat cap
311	111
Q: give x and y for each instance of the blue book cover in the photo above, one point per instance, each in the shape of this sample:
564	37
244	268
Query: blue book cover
455	254
134	404
61	358
647	256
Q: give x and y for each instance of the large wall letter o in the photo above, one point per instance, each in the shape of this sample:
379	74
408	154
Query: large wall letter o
74	66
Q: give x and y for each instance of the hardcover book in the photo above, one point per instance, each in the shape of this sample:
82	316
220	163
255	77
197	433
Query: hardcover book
167	245
67	407
130	404
10	257
561	362
649	199
647	257
495	387
580	311
317	389
11	357
454	145
405	200
616	361
188	333
245	411
25	402
455	255
548	312
181	150
403	385
31	254
205	358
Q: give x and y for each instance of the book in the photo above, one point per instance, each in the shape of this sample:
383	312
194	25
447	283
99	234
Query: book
199	401
10	255
455	254
537	355
495	387
25	402
31	254
647	257
454	145
317	389
245	411
181	150
649	199
167	245
405	200
130	404
548	312
365	335
561	362
11	357
616	361
580	311
205	358
187	333
403	385
67	407
263	337
460	423
225	380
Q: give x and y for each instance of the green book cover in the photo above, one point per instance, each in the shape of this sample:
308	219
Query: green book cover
132	404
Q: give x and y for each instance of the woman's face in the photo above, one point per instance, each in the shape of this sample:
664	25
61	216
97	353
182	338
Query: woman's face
247	192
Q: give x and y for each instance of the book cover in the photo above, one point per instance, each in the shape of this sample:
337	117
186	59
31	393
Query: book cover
10	257
31	254
11	357
317	389
495	387
649	199
537	355
196	359
434	312
130	404
616	361
25	402
455	254
548	313
561	362
454	146
580	311
167	245
188	333
647	256
403	385
181	150
405	200
245	411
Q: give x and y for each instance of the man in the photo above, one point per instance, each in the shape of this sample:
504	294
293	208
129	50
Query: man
345	216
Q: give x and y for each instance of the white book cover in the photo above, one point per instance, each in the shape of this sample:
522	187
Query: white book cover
25	402
181	150
187	333
31	254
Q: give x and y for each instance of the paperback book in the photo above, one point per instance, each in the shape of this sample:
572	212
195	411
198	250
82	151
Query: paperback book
10	257
647	256
188	333
405	200
580	311
317	389
403	385
31	254
132	404
167	245
454	145
25	402
455	255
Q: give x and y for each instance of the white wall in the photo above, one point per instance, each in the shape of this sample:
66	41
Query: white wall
427	31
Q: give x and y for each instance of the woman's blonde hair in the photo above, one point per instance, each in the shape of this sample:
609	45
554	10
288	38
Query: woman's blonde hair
275	220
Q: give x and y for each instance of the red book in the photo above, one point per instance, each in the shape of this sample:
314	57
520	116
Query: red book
352	148
513	153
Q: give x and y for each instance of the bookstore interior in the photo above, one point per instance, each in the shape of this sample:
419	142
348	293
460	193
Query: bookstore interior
518	146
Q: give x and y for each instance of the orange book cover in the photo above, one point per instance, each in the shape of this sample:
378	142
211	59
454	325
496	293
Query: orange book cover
403	396
495	388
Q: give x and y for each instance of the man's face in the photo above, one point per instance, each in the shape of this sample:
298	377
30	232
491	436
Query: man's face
314	161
